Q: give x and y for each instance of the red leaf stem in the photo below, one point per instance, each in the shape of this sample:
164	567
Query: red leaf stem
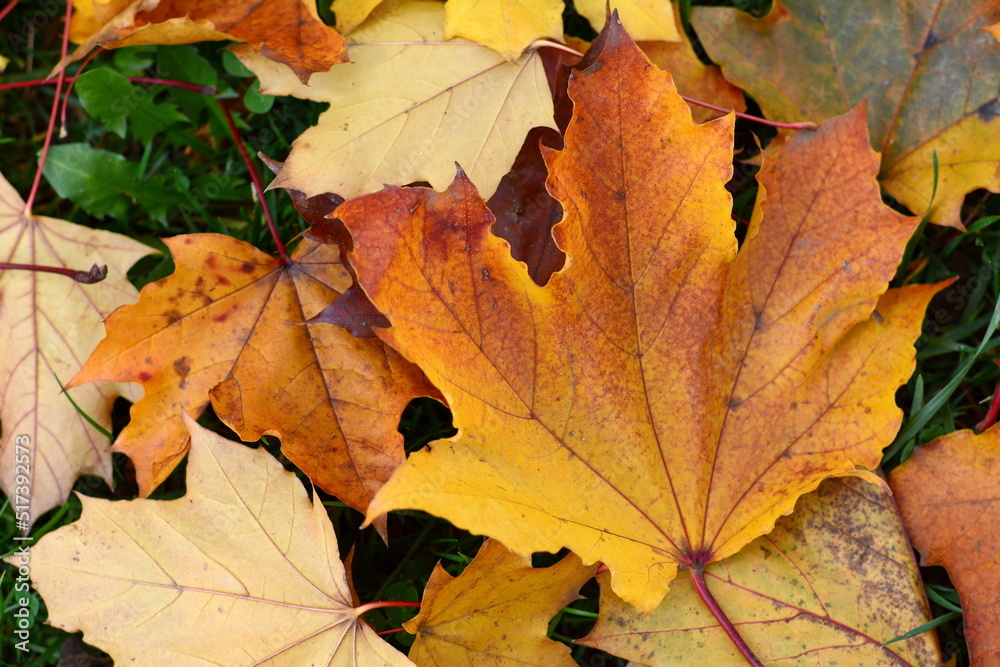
385	603
698	579
95	275
52	117
6	10
991	414
389	632
69	91
193	87
282	252
802	125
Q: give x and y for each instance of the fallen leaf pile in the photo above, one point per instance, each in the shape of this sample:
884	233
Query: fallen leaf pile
543	241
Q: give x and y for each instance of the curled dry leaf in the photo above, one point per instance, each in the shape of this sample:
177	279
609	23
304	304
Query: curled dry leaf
49	324
243	569
663	400
408	106
285	31
929	71
496	612
949	495
827	586
230	324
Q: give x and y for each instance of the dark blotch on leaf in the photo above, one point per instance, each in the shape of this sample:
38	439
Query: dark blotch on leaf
990	110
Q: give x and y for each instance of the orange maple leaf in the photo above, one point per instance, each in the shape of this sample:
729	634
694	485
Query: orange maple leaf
663	400
949	496
230	324
286	31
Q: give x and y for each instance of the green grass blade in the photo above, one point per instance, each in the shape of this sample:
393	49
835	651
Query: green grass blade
80	411
919	420
930	625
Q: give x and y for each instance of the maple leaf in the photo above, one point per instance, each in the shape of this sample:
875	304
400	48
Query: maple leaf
230	325
285	31
242	569
822	57
949	496
525	211
663	399
828	585
496	612
48	325
506	26
408	106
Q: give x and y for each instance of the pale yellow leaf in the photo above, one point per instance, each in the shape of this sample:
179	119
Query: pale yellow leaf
408	107
49	325
242	570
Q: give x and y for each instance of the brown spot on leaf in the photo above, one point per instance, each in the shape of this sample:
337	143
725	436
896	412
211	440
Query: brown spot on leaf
183	368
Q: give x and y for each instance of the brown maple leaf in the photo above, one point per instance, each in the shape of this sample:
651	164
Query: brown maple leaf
949	495
663	400
49	324
285	31
230	324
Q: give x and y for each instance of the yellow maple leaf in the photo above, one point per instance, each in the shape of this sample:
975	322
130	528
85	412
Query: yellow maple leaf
497	611
664	399
243	569
408	106
828	585
49	324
